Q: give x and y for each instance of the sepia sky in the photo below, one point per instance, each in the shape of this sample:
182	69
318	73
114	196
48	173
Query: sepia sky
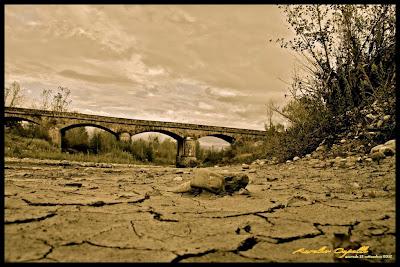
202	64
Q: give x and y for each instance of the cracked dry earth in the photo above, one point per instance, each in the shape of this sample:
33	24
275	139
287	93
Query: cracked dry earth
124	214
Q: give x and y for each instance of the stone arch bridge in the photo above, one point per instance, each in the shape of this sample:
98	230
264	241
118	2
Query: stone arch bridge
184	133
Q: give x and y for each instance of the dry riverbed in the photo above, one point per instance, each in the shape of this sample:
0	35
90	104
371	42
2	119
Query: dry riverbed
73	212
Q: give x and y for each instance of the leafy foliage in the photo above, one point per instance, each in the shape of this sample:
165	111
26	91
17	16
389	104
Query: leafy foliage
349	62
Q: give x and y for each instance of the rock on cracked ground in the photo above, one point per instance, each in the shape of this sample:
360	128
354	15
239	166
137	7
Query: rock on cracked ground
84	213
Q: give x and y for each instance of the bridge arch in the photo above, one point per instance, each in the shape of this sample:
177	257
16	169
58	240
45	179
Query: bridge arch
71	126
173	135
23	118
227	138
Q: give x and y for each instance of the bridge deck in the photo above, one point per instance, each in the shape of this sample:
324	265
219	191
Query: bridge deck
105	119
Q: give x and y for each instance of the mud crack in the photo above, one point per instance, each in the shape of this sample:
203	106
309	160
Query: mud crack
134	230
256	213
157	216
99	203
246	244
280	240
190	255
37	219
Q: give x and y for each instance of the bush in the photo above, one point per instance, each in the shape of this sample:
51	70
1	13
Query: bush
350	63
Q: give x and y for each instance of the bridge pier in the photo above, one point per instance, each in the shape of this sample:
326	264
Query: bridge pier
186	155
124	137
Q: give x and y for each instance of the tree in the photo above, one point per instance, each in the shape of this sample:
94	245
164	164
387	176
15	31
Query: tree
270	113
45	99
61	100
13	95
349	53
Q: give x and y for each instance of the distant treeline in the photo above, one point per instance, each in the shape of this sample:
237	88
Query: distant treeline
31	140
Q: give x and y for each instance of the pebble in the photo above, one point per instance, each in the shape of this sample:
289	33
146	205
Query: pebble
377	156
370	116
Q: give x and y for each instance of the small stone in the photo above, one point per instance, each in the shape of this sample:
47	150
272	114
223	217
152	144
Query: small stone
376	148
271	179
321	148
288	161
343	141
235	181
211	181
182	188
368	160
178	178
370	116
296	158
308	156
179	172
356	185
391	144
387	151
386	117
252	171
379	123
377	156
245	167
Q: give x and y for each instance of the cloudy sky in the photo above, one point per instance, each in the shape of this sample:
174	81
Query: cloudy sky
185	63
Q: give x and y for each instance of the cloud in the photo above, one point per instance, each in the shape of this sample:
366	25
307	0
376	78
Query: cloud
205	106
184	63
95	78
